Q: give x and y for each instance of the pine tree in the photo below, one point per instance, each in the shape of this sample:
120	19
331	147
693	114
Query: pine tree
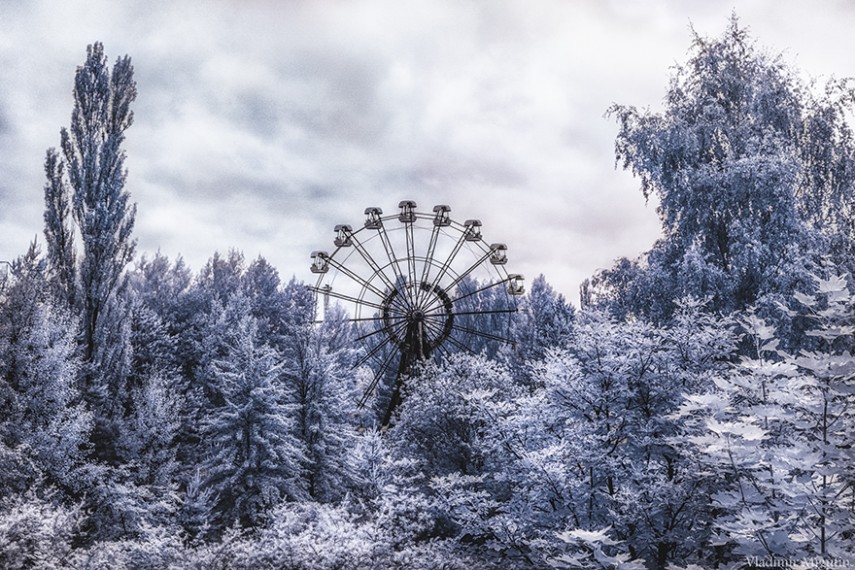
43	422
324	402
545	323
253	458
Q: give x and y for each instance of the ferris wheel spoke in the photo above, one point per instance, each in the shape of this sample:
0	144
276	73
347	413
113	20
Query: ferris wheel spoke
434	235
372	263
344	297
411	258
383	343
482	289
475	332
399	304
384	329
441	330
378	375
363	319
434	328
362	281
466	273
440	302
460	345
393	260
469	271
436	314
485	312
446	265
397	330
444	351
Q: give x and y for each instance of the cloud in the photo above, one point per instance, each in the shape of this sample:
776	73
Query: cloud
260	125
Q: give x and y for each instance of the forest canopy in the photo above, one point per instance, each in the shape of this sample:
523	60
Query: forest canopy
697	411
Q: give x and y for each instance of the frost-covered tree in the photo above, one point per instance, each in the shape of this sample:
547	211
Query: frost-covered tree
37	532
826	192
745	163
85	197
221	277
161	284
253	458
263	289
43	421
592	445
93	161
59	228
457	429
777	432
323	397
165	405
446	419
546	322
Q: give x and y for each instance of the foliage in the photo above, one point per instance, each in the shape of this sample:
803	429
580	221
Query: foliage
745	163
780	427
253	459
700	409
35	532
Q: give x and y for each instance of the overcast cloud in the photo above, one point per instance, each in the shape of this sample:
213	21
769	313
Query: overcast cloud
260	125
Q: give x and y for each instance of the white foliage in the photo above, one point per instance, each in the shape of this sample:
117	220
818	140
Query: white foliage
36	532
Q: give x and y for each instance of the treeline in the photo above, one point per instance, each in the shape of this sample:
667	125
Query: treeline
698	411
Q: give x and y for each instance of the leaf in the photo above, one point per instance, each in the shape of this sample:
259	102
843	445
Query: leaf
807	300
745	429
758	327
831	332
568	561
835	287
589	536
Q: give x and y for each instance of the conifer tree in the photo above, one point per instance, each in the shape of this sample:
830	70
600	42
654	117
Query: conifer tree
253	459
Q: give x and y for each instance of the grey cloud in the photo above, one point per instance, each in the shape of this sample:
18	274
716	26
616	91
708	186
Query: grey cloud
261	125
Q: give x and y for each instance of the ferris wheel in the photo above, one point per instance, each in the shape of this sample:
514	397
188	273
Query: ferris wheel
417	286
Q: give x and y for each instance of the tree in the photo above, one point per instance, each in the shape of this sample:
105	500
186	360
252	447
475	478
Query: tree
745	164
43	422
444	425
221	277
35	532
92	167
85	196
827	183
59	229
323	399
777	432
545	323
253	458
594	446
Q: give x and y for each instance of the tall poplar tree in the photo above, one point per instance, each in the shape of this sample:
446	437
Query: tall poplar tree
88	182
59	228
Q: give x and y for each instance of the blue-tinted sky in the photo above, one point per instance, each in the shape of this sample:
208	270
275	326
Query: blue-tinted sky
260	124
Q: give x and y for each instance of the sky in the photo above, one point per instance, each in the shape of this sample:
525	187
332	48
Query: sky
260	125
